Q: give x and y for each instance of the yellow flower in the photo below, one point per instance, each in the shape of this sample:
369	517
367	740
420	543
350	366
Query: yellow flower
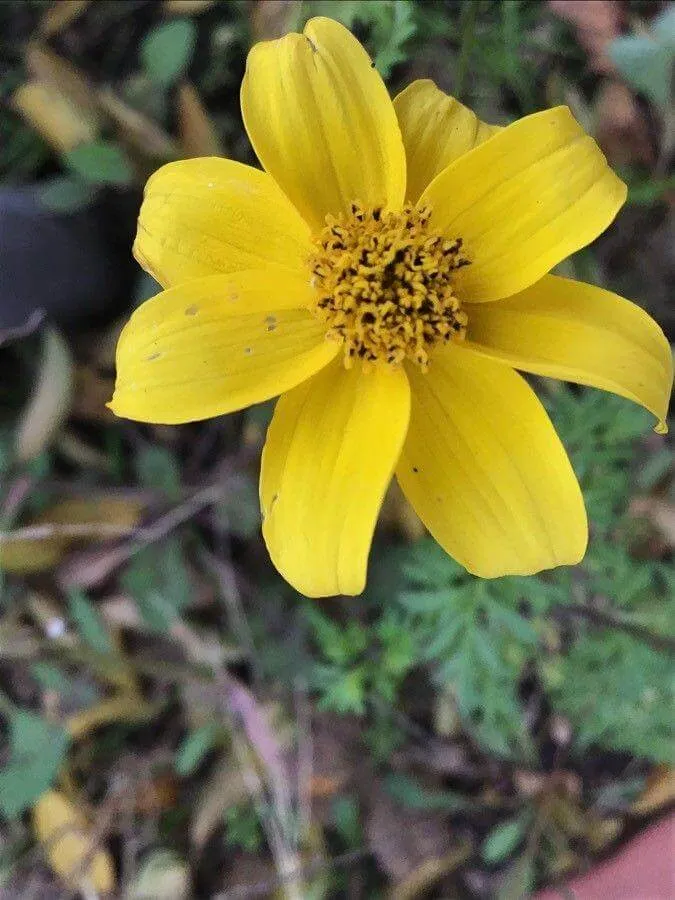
386	274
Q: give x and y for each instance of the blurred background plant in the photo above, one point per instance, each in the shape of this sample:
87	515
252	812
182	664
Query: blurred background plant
175	721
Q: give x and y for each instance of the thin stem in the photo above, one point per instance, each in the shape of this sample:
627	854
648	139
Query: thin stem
604	617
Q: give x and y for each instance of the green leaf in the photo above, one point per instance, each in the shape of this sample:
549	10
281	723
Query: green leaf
157	469
243	827
89	623
657	466
167	50
618	693
51	678
343	692
345	815
663	27
408	792
650	190
66	194
519	879
504	839
239	512
100	162
194	748
38	748
646	64
423	601
159	582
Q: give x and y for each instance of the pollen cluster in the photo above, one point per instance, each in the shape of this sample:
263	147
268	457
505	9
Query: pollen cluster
384	284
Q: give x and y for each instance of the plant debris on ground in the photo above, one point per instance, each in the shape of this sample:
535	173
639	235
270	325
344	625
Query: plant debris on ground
175	721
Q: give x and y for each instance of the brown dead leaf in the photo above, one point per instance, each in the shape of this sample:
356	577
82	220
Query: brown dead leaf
659	791
48	67
60	14
271	18
138	132
52	115
93	390
24	557
103	514
198	136
658	512
70	847
403	839
432	870
49	404
42	542
596	22
128	708
602	832
157	795
529	783
621	129
248	873
187	7
337	759
226	786
324	786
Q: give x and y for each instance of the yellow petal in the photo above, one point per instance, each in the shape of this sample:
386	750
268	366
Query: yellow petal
204	216
523	201
330	454
321	121
578	332
216	345
485	470
436	130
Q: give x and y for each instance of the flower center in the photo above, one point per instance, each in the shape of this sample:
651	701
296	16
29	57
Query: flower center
384	283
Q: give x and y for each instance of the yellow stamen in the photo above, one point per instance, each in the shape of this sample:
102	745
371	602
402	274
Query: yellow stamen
384	284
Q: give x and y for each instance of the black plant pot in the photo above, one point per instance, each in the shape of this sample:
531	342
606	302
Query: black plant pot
76	267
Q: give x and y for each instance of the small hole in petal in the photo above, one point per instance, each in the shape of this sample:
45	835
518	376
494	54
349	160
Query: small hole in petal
192	310
415	469
271	323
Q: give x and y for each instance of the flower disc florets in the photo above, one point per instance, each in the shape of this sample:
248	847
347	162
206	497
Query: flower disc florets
384	282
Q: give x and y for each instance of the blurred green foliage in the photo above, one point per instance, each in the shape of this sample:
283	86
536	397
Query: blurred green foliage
428	651
479	638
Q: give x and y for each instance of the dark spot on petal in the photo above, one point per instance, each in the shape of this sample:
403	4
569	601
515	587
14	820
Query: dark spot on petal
192	310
